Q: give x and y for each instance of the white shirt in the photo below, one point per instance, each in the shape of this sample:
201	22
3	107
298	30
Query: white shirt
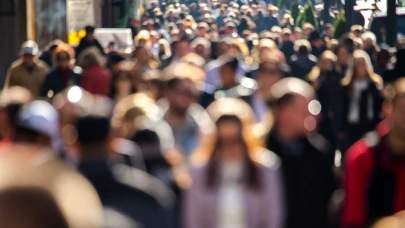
231	201
354	108
259	107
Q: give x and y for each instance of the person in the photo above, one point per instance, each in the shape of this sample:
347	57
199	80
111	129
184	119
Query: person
361	104
181	48
316	44
116	191
164	49
306	158
231	85
399	69
143	59
181	110
297	33
382	61
370	46
231	189
88	41
302	61
342	62
287	46
123	82
271	19
28	72
63	75
47	55
11	100
260	21
41	211
307	28
33	161
373	180
202	47
326	84
95	78
270	70
328	31
288	22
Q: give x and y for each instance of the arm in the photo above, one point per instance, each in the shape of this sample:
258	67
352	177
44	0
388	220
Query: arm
8	81
359	163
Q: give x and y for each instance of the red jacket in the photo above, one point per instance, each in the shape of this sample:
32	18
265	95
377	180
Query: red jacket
96	80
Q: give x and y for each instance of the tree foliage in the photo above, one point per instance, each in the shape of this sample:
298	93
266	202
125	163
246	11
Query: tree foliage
295	10
340	26
307	15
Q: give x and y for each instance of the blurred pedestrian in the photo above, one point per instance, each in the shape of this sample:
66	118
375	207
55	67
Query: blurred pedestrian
28	72
362	100
88	41
306	158
181	48
47	55
374	167
63	75
95	79
232	189
302	61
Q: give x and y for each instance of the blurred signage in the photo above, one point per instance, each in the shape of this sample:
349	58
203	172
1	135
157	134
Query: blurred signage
79	13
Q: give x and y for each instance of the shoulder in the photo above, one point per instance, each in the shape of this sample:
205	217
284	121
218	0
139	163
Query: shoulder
361	153
313	58
143	181
16	64
318	142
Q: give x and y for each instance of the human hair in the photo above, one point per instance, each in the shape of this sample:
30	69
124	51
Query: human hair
288	17
163	44
143	38
89	29
369	36
316	71
201	41
63	48
360	55
89	57
30	207
302	47
252	178
308	26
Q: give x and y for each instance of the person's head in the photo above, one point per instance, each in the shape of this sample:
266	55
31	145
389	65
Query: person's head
295	107
394	106
325	63
29	207
89	57
369	40
164	47
29	51
269	71
233	141
37	124
297	33
154	36
229	27
202	47
342	55
182	48
288	20
286	35
328	30
11	100
383	57
90	33
202	29
141	55
123	80
228	72
361	69
302	47
356	30
181	94
315	39
307	28
63	56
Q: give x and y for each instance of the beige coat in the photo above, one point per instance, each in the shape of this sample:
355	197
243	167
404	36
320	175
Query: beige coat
18	75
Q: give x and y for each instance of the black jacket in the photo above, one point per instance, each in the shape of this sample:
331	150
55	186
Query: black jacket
124	195
308	178
54	81
301	65
288	49
84	44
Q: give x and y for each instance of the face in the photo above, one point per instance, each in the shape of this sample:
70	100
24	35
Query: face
183	96
124	83
269	75
229	137
329	31
361	67
307	31
342	56
326	65
286	37
201	51
397	116
29	60
90	36
142	56
182	49
299	116
297	35
63	60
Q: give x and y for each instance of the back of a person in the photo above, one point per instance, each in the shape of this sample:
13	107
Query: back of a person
96	80
301	65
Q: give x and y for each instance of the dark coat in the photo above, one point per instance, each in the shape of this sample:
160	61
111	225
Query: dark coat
166	62
84	44
125	195
54	81
301	65
308	180
354	132
288	49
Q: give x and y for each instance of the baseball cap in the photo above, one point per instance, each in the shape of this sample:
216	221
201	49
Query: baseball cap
29	48
39	116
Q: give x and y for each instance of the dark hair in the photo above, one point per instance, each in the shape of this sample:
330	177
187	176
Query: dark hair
303	49
92	129
283	100
137	49
30	207
251	172
24	135
89	29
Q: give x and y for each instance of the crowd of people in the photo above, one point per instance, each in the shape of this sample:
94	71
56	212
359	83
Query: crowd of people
224	115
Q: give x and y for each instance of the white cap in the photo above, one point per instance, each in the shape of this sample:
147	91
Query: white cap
39	116
29	48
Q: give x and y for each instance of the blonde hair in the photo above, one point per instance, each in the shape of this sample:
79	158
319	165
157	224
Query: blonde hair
89	57
299	43
359	55
316	70
288	16
142	35
263	44
166	46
